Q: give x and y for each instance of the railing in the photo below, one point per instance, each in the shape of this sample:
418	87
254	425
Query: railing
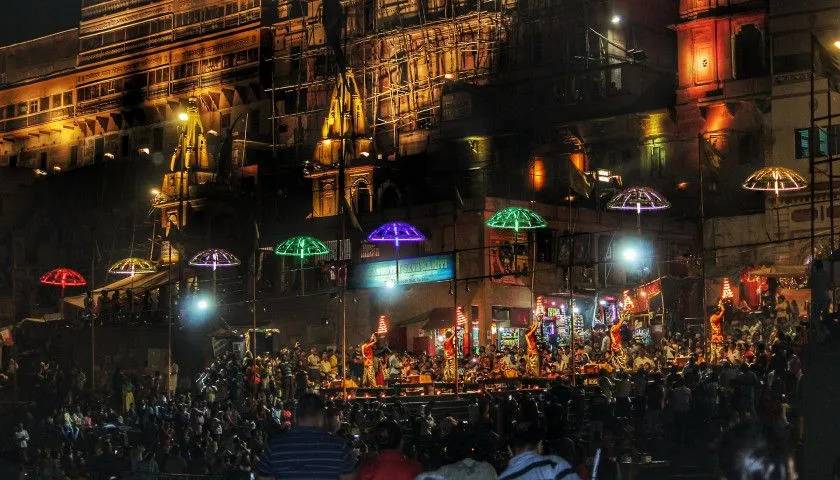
36	119
97	8
125	47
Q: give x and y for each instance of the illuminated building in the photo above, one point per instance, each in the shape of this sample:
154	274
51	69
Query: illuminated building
479	105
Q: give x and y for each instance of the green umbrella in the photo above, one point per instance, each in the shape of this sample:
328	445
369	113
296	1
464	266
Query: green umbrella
301	247
516	219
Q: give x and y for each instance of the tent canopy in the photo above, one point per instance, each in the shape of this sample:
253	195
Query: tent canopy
136	283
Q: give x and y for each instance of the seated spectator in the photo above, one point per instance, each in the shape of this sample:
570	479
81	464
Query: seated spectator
755	451
528	463
460	445
389	463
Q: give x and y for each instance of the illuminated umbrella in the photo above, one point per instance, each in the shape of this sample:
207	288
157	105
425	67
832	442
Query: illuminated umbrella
638	199
301	247
63	277
774	179
396	232
132	266
214	258
516	219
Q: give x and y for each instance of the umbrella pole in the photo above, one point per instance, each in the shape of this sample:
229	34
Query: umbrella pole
397	261
302	279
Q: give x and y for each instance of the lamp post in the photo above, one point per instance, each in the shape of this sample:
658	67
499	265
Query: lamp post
516	219
301	247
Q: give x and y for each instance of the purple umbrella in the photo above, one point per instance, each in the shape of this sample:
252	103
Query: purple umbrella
396	232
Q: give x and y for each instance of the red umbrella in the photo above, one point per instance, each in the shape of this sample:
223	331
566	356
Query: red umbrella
63	277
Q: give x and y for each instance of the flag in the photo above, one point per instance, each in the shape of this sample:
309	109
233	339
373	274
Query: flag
578	183
351	212
712	158
333	18
458	198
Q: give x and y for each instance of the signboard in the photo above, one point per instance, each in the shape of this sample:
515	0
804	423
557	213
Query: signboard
508	258
433	268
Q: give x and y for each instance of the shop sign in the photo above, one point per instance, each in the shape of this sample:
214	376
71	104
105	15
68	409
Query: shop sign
434	268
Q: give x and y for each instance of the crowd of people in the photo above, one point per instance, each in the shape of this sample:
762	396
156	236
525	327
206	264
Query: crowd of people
246	415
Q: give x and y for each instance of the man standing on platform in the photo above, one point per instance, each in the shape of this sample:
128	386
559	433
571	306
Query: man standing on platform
532	362
368	374
449	370
716	333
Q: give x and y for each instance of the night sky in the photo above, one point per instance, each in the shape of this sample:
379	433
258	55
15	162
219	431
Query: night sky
26	19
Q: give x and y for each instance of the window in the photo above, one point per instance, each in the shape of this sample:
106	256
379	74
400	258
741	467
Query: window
68	99
801	139
157	139
33	106
124	146
56	101
749	52
747	148
45	104
657	160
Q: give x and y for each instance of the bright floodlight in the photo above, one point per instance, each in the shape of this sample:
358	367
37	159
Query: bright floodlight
183	116
202	304
630	254
837	44
390	283
616	19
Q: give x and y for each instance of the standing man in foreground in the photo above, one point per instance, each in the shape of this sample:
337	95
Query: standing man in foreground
307	450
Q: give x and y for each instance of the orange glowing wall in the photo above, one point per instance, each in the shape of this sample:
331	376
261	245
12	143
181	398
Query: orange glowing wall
704	49
537	173
578	159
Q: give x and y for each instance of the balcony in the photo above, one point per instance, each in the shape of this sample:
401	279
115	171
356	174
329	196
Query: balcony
35	119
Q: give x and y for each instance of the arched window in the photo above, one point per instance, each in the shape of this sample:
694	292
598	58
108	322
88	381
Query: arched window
749	52
362	196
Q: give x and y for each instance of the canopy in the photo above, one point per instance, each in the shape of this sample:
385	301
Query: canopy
137	283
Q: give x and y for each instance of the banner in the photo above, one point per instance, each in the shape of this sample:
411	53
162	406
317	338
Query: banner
434	268
508	257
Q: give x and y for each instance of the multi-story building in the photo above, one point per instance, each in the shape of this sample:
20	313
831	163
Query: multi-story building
447	111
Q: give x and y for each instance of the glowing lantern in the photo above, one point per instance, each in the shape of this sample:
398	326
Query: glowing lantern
382	328
726	291
775	179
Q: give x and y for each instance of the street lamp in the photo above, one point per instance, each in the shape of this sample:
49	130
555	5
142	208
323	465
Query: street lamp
183	117
615	20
